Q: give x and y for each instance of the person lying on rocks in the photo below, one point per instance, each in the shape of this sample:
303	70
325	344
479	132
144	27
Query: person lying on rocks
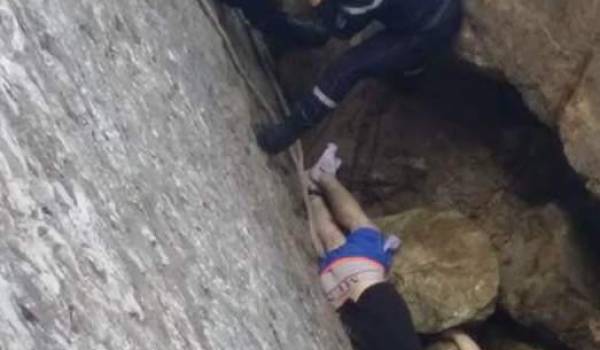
415	33
357	260
279	27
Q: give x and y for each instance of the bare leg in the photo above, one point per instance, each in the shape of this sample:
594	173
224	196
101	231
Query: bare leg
348	214
327	229
345	209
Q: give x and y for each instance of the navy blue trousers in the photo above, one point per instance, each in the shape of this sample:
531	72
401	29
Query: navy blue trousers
385	53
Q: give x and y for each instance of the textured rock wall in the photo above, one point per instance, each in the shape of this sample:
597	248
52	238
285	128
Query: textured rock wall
136	212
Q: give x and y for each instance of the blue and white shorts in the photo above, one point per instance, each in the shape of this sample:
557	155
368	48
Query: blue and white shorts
366	257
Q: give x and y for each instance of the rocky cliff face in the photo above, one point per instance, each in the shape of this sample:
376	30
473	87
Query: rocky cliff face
136	212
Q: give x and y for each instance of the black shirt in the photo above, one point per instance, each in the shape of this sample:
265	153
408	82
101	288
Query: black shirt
380	320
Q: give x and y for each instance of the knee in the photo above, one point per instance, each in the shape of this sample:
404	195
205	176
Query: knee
347	69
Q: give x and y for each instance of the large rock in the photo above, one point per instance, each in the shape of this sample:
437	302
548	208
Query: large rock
549	50
580	126
447	270
547	280
136	212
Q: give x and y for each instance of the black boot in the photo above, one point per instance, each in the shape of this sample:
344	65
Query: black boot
306	114
275	138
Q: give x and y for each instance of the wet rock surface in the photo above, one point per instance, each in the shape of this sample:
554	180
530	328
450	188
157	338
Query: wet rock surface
136	211
447	270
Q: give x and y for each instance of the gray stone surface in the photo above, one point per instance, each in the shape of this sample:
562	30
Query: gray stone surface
136	212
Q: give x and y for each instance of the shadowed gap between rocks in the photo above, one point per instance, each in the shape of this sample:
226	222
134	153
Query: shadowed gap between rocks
502	322
530	152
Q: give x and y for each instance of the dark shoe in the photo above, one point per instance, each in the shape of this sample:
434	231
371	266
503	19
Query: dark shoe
305	114
276	138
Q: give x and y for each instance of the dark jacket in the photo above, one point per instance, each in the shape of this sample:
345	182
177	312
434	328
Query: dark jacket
344	18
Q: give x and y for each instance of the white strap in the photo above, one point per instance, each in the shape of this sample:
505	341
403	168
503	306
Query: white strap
357	11
392	244
326	100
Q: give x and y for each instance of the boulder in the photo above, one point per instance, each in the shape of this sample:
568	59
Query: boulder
548	281
447	270
580	126
549	50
